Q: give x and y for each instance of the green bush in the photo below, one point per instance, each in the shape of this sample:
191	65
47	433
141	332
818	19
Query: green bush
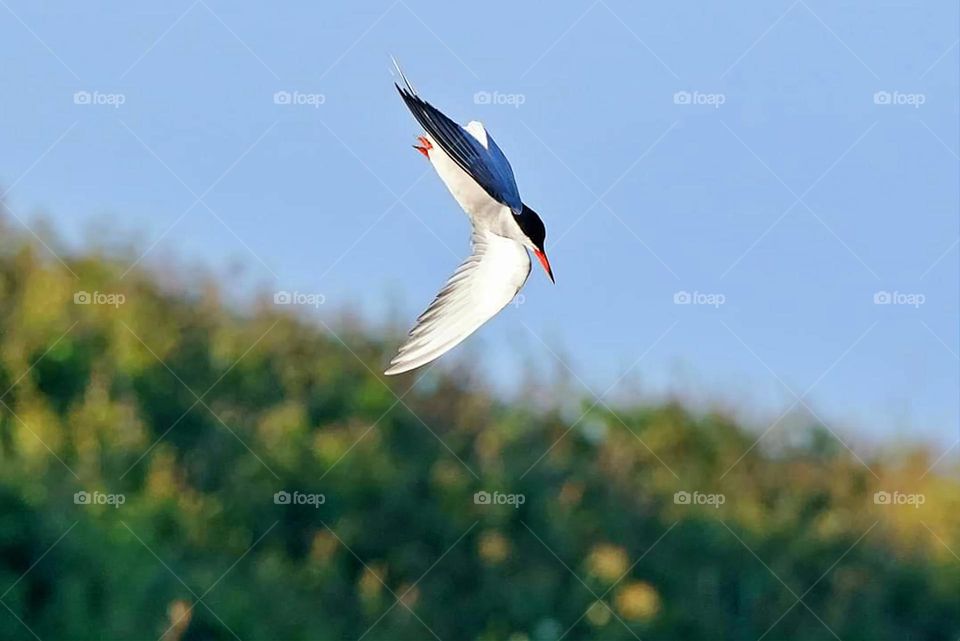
198	415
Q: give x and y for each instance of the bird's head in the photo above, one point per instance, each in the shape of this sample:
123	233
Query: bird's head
532	227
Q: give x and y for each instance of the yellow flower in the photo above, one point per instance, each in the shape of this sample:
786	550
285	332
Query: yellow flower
598	614
607	561
494	547
372	580
637	601
179	614
323	547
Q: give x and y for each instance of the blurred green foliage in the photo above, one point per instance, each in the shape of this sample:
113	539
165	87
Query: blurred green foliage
197	414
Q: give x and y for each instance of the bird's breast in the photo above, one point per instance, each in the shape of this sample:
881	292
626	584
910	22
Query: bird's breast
478	204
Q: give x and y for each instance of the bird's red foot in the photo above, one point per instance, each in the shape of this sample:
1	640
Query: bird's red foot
425	149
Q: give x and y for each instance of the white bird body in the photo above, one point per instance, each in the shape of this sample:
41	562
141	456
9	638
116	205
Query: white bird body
481	181
486	213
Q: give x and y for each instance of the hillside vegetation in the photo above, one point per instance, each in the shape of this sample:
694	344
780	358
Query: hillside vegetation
184	421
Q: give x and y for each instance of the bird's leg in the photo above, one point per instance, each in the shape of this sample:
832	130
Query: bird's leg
425	148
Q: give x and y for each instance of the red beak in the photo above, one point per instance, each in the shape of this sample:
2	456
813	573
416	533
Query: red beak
545	263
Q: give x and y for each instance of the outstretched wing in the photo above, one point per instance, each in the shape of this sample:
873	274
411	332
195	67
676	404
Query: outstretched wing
481	287
485	163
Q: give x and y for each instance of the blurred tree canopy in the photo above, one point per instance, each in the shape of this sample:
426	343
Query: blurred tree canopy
184	421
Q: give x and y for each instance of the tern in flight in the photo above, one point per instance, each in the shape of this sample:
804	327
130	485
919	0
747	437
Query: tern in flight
480	179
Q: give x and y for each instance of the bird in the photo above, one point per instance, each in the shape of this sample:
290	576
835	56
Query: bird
504	228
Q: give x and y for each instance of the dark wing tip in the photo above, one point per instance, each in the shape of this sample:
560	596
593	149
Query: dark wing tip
408	96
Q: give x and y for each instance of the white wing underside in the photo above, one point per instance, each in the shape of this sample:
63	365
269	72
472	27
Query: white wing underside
478	289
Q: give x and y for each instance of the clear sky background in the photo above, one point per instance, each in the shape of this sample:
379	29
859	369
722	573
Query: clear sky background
780	181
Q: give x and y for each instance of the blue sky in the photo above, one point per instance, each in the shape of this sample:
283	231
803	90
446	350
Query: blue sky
781	162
